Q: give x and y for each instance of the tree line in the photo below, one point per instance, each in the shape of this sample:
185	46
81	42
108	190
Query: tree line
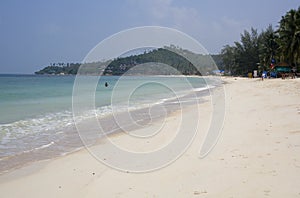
259	51
176	58
61	68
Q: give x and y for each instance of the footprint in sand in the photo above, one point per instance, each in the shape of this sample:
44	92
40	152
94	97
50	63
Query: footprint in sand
200	192
267	192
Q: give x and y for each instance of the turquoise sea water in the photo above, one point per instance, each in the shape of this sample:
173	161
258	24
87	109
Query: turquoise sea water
36	111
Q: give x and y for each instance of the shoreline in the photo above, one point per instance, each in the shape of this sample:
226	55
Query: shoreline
14	162
257	154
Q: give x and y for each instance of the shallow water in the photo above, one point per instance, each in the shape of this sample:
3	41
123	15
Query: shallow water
36	120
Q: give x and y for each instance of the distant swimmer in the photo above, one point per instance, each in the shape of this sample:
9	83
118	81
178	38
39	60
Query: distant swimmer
106	84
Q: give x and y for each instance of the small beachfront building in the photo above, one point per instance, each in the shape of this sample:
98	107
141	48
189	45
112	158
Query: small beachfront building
280	68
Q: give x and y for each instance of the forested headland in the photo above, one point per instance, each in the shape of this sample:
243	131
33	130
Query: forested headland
175	57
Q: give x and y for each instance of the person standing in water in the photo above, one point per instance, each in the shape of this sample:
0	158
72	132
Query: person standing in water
106	84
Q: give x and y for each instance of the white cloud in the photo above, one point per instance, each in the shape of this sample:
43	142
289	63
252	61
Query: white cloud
159	9
213	33
167	13
163	12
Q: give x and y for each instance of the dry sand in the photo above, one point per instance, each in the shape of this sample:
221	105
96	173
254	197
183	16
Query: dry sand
257	155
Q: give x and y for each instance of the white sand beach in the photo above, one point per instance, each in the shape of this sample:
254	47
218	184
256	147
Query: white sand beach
257	155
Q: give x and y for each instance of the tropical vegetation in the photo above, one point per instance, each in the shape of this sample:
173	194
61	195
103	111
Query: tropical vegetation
260	51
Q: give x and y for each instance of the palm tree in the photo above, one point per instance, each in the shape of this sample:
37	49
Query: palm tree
268	47
289	36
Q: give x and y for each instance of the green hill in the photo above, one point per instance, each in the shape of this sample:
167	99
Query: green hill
162	61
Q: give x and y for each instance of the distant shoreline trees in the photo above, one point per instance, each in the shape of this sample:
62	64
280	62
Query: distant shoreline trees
60	69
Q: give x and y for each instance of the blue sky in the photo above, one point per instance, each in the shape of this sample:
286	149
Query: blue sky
35	33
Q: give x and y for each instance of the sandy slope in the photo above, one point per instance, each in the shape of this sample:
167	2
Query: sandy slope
258	155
